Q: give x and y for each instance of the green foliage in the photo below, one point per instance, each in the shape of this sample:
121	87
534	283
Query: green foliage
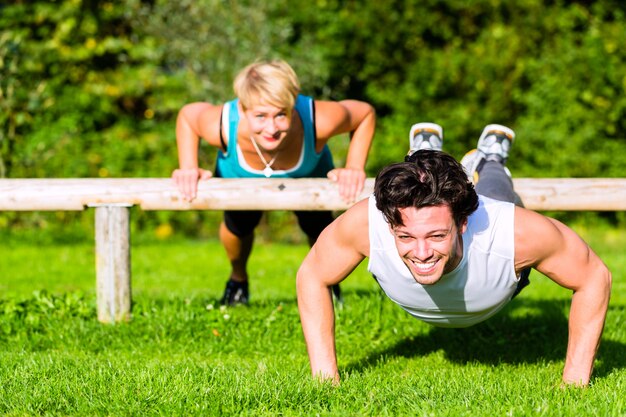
552	71
91	88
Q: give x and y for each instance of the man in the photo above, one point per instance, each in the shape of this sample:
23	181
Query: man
451	255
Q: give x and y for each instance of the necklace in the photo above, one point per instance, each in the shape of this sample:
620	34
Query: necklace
267	171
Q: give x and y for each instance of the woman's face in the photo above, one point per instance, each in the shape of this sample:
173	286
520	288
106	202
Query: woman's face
268	124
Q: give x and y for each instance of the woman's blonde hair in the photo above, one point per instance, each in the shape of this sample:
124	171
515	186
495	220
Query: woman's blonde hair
267	82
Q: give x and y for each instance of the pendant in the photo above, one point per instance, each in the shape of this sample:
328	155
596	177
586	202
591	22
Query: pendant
268	172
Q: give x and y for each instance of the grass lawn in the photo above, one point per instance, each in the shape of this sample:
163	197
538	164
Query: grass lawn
184	355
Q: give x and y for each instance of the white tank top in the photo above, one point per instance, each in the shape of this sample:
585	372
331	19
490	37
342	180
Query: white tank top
482	283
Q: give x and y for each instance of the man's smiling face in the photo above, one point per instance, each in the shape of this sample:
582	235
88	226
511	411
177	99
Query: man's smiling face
429	242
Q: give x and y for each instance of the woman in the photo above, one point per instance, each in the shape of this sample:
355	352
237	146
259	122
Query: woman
270	130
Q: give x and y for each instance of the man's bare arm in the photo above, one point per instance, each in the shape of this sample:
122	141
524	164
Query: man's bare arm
338	250
564	257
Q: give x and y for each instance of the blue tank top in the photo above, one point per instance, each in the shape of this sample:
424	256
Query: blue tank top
231	164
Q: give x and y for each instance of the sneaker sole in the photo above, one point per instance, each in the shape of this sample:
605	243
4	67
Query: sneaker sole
424	127
428	127
498	129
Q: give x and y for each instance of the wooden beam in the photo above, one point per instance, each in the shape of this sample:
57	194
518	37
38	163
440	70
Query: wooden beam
113	197
594	194
572	194
161	194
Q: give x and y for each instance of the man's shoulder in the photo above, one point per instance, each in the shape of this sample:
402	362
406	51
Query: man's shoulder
355	220
358	214
353	226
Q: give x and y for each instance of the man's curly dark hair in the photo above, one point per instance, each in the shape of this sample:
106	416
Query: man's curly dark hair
426	178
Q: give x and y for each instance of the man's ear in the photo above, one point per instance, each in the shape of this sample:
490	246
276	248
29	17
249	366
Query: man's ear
463	226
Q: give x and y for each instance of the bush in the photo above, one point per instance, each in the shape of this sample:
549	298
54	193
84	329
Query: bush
91	88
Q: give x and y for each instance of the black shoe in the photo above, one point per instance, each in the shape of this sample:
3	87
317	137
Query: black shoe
337	293
235	293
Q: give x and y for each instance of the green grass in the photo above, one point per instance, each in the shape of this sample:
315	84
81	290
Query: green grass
183	355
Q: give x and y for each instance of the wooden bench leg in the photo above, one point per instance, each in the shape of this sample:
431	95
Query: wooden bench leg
113	263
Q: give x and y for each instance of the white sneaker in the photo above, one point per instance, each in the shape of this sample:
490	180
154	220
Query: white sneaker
425	136
493	145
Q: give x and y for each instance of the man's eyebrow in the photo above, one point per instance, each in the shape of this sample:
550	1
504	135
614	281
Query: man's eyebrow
403	230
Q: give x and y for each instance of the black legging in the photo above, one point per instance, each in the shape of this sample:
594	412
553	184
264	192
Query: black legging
243	223
493	182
